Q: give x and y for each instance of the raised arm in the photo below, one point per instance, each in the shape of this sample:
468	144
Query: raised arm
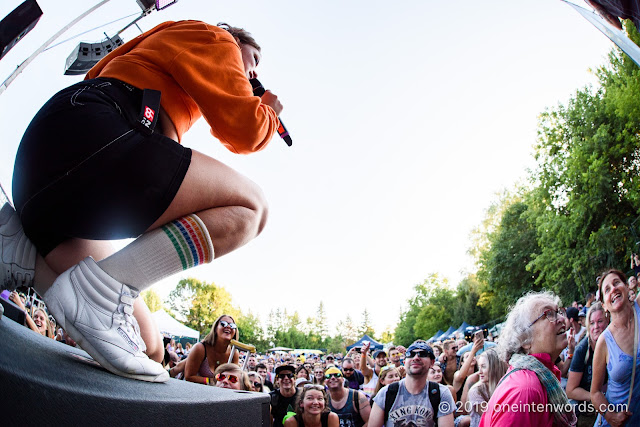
364	365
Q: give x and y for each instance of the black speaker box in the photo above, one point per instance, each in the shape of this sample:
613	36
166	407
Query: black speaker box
18	23
86	55
44	382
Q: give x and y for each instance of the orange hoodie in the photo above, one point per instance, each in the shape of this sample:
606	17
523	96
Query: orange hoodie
198	68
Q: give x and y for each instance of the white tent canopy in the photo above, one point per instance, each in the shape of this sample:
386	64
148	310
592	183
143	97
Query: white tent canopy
169	325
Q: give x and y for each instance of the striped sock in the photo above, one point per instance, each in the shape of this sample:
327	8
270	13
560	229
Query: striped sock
174	247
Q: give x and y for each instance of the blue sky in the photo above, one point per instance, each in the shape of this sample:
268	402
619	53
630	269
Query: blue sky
407	119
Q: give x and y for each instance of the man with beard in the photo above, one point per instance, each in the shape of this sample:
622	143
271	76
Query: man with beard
283	399
352	406
416	401
353	377
394	359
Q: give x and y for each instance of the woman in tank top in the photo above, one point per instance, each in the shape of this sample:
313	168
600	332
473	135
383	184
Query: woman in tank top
214	350
614	355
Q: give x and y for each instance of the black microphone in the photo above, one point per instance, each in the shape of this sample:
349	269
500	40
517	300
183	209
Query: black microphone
258	90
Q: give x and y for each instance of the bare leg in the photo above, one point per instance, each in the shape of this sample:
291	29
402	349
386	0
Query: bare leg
232	206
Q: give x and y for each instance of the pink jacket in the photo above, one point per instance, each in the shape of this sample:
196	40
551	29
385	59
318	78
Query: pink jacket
520	400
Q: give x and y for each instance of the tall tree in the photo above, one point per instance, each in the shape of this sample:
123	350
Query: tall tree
321	326
200	303
505	264
366	327
405	331
587	202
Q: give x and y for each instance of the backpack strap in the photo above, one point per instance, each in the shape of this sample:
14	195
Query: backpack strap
390	398
434	398
355	395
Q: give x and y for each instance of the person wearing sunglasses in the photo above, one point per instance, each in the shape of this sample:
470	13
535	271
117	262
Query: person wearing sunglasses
449	360
414	400
352	406
255	381
229	375
353	377
214	350
533	337
283	398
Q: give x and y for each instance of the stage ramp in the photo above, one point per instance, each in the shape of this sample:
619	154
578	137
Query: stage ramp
44	382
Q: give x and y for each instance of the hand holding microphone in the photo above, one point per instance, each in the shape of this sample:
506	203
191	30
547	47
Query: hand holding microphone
271	100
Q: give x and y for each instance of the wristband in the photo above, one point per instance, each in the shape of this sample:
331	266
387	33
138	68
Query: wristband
569	355
206	380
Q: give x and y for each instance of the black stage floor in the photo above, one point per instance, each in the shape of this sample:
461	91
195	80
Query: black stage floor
44	382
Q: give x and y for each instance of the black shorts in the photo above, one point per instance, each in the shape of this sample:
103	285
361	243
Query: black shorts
85	170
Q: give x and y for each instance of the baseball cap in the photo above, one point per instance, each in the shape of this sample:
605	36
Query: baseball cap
301	381
332	370
421	345
285	368
378	353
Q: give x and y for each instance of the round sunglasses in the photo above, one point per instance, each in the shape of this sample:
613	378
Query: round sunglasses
232	378
226	324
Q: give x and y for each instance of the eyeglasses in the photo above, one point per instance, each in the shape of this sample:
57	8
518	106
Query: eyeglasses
232	378
347	369
453	348
226	324
417	353
335	375
552	315
281	376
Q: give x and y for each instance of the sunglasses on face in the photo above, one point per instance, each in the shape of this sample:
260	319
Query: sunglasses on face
327	376
226	324
232	378
257	384
347	369
417	353
281	376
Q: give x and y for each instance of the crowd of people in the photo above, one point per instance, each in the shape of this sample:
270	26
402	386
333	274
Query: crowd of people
127	175
550	365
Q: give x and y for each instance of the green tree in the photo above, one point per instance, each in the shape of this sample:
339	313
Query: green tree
467	299
347	330
405	332
587	200
437	313
201	303
505	264
152	299
366	327
321	327
251	331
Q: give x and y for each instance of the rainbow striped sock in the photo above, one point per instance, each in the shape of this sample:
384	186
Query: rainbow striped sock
174	247
189	237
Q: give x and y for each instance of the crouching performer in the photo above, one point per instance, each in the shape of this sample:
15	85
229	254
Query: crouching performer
102	160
